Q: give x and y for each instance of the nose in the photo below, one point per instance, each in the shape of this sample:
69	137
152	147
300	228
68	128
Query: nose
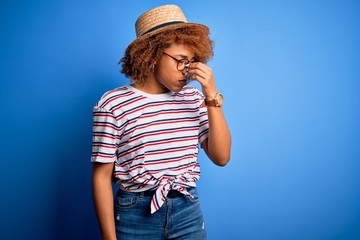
185	71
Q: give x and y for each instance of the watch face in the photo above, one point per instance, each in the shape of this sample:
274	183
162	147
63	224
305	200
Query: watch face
220	99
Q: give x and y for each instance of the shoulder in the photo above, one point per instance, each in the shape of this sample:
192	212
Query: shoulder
115	97
190	92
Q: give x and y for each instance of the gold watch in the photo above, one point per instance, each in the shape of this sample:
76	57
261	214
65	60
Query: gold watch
218	101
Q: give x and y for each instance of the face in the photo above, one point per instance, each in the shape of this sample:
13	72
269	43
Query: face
166	76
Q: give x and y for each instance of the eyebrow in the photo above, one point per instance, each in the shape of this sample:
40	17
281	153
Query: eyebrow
182	56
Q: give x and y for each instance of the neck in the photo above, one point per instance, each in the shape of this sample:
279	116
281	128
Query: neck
150	86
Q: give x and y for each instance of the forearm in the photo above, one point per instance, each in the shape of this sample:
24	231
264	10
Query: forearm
104	203
219	139
217	145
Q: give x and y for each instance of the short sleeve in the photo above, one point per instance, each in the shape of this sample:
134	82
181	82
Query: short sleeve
105	136
204	123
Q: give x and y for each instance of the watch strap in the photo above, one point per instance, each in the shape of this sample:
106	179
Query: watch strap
214	102
211	103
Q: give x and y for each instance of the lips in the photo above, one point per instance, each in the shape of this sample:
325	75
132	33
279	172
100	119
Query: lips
183	82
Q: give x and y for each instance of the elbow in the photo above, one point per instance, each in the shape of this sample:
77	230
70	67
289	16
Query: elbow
219	153
221	161
221	164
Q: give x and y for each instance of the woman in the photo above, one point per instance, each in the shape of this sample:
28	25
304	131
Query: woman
146	135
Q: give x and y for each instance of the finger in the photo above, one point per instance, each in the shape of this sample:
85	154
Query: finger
199	65
197	74
198	78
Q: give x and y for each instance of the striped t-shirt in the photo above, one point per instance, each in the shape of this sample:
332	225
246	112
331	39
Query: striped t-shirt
152	138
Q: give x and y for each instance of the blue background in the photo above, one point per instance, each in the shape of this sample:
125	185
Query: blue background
290	74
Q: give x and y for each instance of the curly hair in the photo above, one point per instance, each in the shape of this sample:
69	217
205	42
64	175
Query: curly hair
140	57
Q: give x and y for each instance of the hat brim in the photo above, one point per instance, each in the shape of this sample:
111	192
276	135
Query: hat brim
169	28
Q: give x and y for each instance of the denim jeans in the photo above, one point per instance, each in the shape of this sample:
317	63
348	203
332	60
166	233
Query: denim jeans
179	218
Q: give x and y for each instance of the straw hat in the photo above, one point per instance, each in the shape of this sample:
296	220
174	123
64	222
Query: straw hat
159	19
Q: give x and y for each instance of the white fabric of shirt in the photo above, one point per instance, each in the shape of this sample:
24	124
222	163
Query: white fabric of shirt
152	138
